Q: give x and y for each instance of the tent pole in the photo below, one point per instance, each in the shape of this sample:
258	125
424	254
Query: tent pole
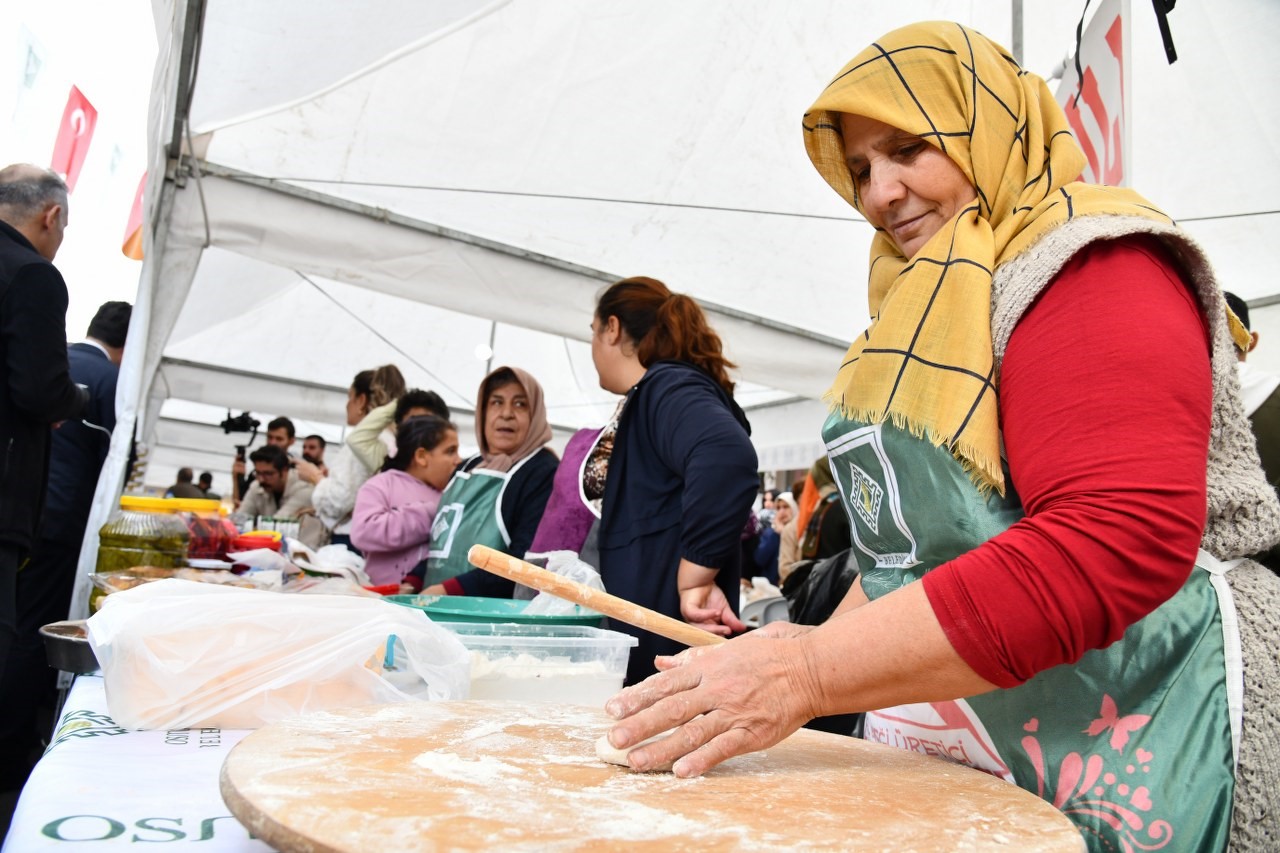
493	336
1016	21
192	25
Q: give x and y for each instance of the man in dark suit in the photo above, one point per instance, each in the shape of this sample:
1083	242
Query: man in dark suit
37	389
37	392
44	585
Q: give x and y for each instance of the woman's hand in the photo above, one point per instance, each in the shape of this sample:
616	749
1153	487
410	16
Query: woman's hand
726	700
706	607
407	589
308	471
435	589
702	603
753	691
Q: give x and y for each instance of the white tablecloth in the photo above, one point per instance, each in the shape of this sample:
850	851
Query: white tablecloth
99	786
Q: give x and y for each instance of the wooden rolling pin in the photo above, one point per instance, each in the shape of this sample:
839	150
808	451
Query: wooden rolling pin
513	569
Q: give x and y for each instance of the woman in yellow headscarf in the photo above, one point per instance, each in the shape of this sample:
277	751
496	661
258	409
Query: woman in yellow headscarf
1052	579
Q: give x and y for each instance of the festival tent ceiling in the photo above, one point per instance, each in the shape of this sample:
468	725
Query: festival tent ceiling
347	185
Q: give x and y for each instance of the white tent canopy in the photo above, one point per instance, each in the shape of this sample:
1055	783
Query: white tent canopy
336	186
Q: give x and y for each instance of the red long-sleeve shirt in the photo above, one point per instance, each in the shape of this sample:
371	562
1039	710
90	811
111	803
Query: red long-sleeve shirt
1106	394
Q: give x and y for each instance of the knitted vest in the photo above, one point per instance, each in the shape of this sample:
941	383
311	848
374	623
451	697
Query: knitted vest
1243	512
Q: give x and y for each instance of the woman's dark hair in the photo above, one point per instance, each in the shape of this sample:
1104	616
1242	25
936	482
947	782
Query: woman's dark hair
419	399
425	431
665	325
380	385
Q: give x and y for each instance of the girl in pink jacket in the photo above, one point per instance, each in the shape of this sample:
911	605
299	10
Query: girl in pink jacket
394	511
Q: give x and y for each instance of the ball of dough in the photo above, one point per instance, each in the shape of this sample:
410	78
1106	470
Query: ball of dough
610	754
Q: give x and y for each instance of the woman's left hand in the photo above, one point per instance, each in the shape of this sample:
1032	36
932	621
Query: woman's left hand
706	607
727	700
435	589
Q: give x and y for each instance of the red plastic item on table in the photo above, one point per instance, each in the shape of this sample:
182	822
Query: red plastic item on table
250	542
385	589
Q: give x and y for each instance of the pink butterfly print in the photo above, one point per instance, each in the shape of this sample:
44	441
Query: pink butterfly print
1120	727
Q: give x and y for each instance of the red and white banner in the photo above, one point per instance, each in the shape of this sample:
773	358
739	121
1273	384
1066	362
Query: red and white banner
1097	108
78	121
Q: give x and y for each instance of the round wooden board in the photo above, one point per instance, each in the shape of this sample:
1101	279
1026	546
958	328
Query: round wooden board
522	776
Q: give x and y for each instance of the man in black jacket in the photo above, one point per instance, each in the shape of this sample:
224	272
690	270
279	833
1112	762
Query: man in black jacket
38	392
45	584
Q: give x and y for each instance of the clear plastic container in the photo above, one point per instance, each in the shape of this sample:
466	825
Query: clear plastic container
287	527
209	533
544	663
145	532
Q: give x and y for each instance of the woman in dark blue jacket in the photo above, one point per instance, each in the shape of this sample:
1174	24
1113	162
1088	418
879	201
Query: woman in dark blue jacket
675	467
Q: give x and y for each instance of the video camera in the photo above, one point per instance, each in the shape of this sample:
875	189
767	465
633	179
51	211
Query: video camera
243	422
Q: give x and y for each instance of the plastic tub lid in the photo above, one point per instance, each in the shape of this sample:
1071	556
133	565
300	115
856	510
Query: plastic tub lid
145	504
472	608
561	635
194	504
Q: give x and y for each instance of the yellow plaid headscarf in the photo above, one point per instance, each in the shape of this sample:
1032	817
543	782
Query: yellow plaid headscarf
926	362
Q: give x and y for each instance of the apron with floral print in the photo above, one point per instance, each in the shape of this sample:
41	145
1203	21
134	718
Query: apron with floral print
1134	742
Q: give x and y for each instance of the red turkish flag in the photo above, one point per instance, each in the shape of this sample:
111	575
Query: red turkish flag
78	121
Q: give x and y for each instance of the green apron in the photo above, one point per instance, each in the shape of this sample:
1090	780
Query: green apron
470	513
1135	743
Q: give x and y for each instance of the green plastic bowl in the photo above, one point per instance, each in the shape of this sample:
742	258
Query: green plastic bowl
471	608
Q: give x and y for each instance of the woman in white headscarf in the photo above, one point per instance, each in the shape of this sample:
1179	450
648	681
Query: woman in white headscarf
496	498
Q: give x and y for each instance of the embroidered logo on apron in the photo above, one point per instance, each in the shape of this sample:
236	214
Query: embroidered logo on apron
444	529
872	492
866	498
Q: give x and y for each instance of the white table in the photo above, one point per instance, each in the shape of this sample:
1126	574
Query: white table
99	786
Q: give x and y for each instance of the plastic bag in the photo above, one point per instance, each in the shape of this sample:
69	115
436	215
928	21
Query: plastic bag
760	588
263	558
335	560
816	588
566	564
177	654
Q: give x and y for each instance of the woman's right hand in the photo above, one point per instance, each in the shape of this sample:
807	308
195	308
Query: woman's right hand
781	631
722	701
706	607
772	631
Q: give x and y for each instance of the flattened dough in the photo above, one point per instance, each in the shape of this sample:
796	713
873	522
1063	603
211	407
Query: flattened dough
610	754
